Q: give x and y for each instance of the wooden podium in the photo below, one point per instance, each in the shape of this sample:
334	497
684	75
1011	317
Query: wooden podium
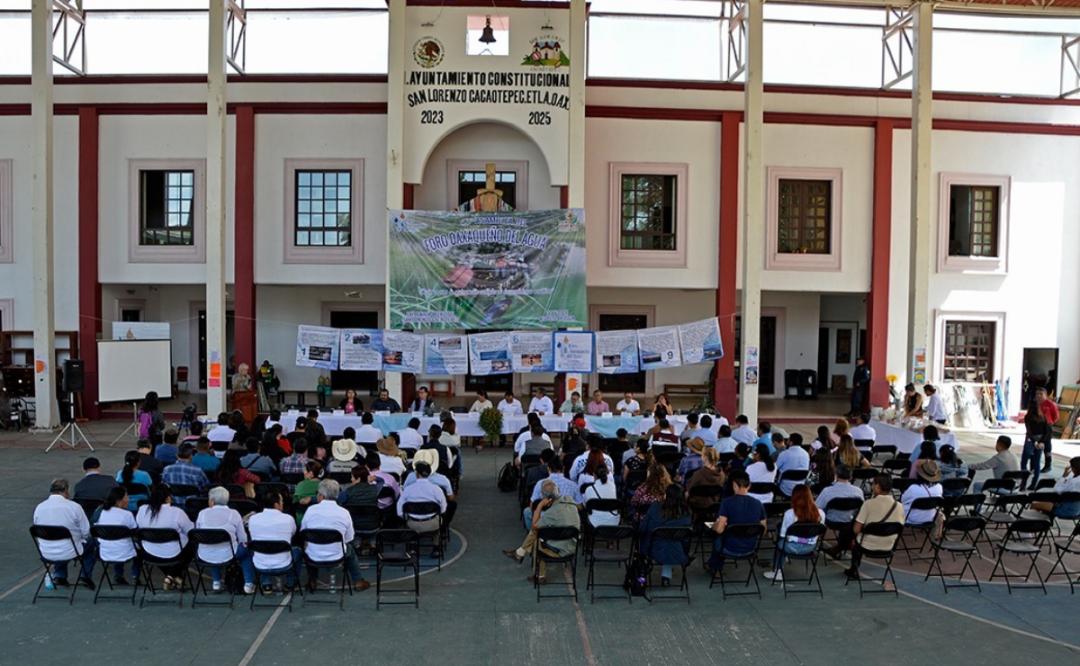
247	403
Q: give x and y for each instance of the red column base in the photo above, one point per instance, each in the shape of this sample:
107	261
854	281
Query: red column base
879	393
726	397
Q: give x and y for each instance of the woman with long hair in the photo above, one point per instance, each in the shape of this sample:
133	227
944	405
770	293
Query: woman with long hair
599	484
1037	434
762	470
231	471
709	474
822	470
131	473
912	402
115	511
351	404
159	512
593	463
803	510
847	454
150	418
841	428
654	488
824	439
670	511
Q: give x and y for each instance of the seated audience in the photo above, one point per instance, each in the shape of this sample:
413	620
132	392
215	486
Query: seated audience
553	510
390	455
94	485
880	508
599	483
803	510
204	458
692	461
762	470
326	514
115	511
671	512
166	450
1002	461
159	512
710	474
861	428
739	509
59	511
1068	483
131	473
297	462
409	437
218	516
345	454
368	433
147	462
272	524
184	472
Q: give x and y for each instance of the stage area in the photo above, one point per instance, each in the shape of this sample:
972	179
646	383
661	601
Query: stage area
479	608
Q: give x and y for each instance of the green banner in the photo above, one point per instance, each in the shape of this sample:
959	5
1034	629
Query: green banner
457	270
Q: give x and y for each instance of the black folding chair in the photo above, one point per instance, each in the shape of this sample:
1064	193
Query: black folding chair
796	475
366	519
1001	486
896	467
543	536
182	492
1020	477
846	505
113	533
701	515
613	536
1045	484
774	517
886	556
397	547
1069	545
1016	543
89	506
148	562
136	489
863	477
326	538
210	537
926	528
876	450
423	512
803	532
763	488
902	484
244	506
952	488
753	532
343	478
684	537
290	479
236	491
257	547
962	543
41	533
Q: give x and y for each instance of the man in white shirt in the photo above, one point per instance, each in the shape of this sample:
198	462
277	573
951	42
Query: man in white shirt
724	443
523	438
862	428
628	405
327	515
541	404
271	524
422	490
218	516
59	511
509	405
743	433
935	406
273	420
791	458
221	432
410	436
368	433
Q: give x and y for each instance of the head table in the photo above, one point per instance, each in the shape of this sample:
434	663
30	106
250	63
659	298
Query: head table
468	425
906	440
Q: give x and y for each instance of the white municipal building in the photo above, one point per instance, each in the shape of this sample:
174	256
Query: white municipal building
831	181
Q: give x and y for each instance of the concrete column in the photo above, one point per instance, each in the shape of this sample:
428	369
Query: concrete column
216	356
41	205
753	209
919	332
395	148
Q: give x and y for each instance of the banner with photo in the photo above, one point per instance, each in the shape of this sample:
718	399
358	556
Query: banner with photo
574	351
447	354
489	353
531	351
500	270
700	341
317	347
402	352
659	347
616	352
361	349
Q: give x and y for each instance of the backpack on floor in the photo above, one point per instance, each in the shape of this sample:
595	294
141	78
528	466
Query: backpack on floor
637	575
508	478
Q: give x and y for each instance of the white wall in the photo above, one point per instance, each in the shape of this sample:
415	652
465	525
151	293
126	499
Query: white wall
620	140
797	334
124	138
485	142
282	137
16	278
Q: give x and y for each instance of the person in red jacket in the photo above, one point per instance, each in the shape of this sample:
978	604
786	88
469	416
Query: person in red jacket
1049	410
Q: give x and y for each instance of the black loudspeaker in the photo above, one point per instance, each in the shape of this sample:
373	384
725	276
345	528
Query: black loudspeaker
73	375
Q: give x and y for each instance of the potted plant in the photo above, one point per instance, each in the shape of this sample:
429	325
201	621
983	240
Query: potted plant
491	422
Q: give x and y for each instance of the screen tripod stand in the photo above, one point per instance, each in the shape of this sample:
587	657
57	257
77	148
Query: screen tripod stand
72	434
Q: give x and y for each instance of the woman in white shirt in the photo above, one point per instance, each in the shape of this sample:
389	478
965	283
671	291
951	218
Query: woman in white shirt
115	512
601	486
481	403
159	512
803	510
762	470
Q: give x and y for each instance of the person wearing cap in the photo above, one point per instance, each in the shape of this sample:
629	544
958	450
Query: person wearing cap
692	461
345	453
184	472
390	458
928	485
166	451
94	485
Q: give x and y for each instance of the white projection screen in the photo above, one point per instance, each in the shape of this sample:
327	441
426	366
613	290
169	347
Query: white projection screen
129	369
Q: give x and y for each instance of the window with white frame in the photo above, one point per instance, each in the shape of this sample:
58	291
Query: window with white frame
968	350
803	218
167	210
7	253
647	225
973	223
323	220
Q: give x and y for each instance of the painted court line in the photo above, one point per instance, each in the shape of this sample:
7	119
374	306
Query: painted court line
29	578
583	629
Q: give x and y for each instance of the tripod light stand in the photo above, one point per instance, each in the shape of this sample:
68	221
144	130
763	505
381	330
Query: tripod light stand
72	434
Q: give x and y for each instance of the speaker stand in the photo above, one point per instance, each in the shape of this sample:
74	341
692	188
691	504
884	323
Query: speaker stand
133	426
72	434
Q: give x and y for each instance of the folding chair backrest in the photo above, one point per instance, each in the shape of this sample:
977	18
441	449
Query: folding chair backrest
805	531
1004	485
269	547
236	491
395	537
1044	496
50	532
1045	483
795	475
196	504
882	529
955	485
964	524
745	531
844	504
762	488
1030	527
133	488
776	509
291	478
683	535
902	484
603	506
557	533
158	535
863	473
926	503
1018	475
209	536
183	490
323	537
244	506
111	532
881	448
865	444
895	466
613	532
420	508
970	500
89	505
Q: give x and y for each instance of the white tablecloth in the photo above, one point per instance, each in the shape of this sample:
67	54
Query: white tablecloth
907	441
468	425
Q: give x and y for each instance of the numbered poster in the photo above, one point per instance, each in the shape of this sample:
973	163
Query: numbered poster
317	347
659	347
489	353
447	354
531	351
700	341
361	349
574	351
616	352
402	352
